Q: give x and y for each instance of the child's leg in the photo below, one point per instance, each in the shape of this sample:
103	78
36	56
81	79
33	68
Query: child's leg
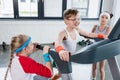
102	72
94	68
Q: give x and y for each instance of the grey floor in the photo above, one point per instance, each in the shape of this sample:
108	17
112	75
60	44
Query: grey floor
4	59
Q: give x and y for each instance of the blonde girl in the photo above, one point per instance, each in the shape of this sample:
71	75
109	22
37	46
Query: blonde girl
21	66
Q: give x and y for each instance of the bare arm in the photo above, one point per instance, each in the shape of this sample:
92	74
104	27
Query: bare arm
48	64
83	33
64	55
107	31
61	36
94	28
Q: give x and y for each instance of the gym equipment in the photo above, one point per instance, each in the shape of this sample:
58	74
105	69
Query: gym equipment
82	43
101	50
4	45
63	66
105	49
97	52
89	42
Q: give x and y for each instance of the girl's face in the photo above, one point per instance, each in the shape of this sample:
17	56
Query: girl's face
104	20
30	48
73	21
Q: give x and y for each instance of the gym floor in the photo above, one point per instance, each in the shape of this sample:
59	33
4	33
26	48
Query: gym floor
5	54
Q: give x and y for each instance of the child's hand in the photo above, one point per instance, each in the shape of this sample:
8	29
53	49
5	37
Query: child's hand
102	36
64	55
46	49
55	76
46	54
35	44
106	37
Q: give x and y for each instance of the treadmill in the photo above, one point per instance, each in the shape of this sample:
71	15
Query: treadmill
105	49
98	51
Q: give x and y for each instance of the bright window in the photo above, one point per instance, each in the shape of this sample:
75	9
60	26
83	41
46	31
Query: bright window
87	8
6	9
48	9
28	8
51	9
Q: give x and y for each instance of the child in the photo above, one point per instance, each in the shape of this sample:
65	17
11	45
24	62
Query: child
21	66
102	28
67	39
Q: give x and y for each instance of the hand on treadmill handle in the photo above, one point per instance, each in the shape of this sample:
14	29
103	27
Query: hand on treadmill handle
64	55
40	47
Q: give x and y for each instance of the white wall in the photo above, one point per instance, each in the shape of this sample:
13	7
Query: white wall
116	11
40	31
113	7
108	5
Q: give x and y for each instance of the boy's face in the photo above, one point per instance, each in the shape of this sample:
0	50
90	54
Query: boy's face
73	21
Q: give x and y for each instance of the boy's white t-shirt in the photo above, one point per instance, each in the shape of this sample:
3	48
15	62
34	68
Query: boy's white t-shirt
69	44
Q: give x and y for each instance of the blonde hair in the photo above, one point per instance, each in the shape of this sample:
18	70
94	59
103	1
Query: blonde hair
16	42
70	12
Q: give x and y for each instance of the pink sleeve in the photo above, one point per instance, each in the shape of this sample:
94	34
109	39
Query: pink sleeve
30	66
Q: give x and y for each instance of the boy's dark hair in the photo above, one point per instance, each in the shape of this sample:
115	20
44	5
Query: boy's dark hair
69	12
